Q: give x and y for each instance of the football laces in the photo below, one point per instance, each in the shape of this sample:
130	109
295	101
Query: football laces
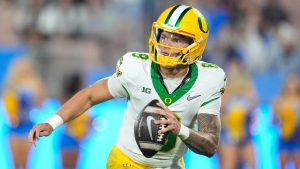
160	136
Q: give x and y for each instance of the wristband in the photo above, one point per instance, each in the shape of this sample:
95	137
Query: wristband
184	132
55	121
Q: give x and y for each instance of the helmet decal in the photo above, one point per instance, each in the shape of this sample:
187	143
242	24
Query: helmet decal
201	26
176	15
170	14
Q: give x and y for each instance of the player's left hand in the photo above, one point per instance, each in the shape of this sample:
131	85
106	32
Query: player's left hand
173	125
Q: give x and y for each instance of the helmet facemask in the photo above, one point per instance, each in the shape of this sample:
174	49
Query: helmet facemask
171	56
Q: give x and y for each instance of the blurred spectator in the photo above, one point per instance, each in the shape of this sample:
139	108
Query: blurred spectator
24	90
288	50
10	46
77	129
287	113
27	14
291	7
38	52
97	20
67	55
239	104
217	16
274	13
255	46
59	18
8	35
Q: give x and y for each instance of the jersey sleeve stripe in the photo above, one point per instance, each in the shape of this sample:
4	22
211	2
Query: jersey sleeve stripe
128	95
205	103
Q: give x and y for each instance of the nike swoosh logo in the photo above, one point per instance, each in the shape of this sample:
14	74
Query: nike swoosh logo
189	98
149	119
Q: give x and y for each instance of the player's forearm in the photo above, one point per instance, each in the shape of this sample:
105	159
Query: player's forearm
206	141
77	105
84	99
202	143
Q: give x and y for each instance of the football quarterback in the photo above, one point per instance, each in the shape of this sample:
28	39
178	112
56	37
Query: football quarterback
188	90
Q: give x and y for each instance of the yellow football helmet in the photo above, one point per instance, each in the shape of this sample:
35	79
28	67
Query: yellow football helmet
185	21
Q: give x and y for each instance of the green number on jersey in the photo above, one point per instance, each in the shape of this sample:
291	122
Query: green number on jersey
209	65
140	55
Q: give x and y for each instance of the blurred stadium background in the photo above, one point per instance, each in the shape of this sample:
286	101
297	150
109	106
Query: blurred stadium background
49	49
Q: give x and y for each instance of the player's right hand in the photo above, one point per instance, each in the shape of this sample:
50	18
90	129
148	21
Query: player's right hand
39	130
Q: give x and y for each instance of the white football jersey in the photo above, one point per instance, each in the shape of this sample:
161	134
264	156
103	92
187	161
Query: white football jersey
138	79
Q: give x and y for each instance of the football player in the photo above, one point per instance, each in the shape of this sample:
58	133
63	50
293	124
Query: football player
188	89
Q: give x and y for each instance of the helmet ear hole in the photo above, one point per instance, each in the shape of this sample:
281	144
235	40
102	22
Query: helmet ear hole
184	61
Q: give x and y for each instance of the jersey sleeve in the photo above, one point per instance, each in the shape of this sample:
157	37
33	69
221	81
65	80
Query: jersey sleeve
121	81
212	101
115	87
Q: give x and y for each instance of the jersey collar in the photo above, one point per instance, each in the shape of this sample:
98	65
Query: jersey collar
165	96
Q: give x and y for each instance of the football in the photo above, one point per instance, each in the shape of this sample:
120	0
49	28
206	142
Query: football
146	132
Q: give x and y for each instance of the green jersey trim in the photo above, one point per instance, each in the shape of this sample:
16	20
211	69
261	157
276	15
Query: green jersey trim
205	103
167	98
126	92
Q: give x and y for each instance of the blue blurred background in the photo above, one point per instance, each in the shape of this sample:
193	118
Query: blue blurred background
49	49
